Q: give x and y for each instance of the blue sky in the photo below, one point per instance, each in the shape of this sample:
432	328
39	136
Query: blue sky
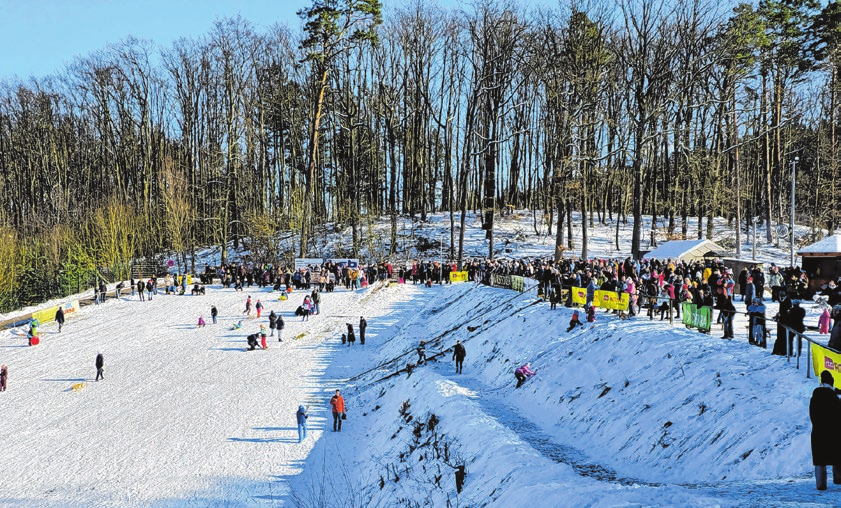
39	36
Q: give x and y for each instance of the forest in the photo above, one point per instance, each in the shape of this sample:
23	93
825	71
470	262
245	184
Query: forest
612	110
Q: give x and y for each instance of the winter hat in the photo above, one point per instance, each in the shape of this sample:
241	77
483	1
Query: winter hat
826	378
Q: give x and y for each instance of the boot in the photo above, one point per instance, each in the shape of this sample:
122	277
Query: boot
820	477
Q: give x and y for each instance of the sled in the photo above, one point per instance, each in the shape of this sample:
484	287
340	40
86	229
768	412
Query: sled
301	335
77	387
34	341
283	297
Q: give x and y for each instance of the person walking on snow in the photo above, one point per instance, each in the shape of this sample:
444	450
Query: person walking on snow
213	313
362	326
4	375
824	412
140	289
259	308
59	318
421	349
458	355
337	404
302	416
247	310
100	364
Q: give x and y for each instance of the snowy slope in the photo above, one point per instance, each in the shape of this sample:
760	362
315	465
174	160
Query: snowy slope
621	413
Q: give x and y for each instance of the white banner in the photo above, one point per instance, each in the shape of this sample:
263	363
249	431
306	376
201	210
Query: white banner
305	262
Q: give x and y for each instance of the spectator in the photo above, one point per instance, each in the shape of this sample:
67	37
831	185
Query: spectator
825	412
337	404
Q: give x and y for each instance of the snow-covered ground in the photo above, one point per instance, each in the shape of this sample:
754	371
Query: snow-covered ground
620	413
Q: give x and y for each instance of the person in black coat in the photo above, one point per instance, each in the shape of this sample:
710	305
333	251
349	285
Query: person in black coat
213	313
59	318
100	364
351	338
272	323
793	318
458	355
781	318
253	340
362	326
825	412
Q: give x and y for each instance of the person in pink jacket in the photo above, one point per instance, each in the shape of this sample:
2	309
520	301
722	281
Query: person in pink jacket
823	322
522	373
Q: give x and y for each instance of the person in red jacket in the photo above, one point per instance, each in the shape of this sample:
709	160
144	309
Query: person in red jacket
337	404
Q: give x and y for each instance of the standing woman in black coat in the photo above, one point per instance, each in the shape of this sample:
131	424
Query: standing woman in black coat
825	411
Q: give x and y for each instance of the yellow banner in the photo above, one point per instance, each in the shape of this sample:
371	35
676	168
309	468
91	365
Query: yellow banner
825	359
579	296
603	299
48	315
45	316
622	301
458	276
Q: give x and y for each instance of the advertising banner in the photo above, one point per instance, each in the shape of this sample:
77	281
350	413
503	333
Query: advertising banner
458	276
48	315
579	296
604	299
350	263
826	359
514	282
305	262
697	317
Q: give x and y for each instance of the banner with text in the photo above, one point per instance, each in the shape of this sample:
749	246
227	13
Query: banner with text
515	282
458	276
826	359
603	299
48	315
697	317
305	262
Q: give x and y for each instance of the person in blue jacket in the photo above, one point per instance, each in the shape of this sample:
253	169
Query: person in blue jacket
302	416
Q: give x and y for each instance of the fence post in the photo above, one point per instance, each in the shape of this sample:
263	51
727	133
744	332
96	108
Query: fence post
788	345
671	312
799	347
808	360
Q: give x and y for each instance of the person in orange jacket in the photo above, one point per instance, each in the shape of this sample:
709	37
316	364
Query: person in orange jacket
337	404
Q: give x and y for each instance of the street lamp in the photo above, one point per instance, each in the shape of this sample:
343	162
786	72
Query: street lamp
793	164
